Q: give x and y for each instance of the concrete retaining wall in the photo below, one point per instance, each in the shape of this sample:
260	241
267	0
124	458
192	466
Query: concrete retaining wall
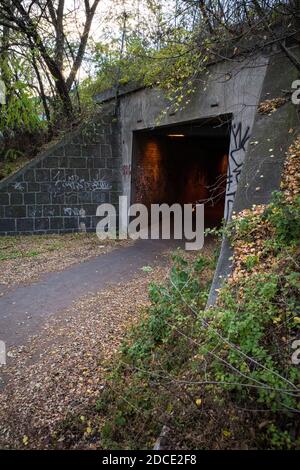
270	138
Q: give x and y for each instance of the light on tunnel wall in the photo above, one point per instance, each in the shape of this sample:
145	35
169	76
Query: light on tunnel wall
176	135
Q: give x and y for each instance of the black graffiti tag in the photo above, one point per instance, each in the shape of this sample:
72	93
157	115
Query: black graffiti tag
240	139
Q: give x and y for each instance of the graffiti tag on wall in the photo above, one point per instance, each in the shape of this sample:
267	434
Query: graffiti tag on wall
126	170
239	139
19	187
74	211
74	183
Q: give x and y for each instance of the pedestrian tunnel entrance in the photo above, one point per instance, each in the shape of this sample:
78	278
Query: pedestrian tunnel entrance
183	164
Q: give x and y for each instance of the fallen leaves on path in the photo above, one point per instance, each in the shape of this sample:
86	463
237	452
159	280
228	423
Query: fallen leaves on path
23	259
61	370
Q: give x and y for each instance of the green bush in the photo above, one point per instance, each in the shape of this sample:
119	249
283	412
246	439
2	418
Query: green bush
285	218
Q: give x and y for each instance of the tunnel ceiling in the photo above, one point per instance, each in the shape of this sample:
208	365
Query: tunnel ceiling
214	128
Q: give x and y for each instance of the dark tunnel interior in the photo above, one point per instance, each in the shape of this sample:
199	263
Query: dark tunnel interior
183	164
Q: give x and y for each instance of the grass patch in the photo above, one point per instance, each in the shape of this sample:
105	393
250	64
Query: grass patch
8	167
14	254
15	247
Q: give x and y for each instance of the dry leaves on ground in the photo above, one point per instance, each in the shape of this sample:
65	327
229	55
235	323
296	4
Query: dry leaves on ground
61	370
290	185
270	106
24	258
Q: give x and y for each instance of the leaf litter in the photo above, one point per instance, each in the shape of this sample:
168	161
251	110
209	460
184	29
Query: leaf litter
61	370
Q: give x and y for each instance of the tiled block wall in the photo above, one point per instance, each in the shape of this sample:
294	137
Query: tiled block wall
61	189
